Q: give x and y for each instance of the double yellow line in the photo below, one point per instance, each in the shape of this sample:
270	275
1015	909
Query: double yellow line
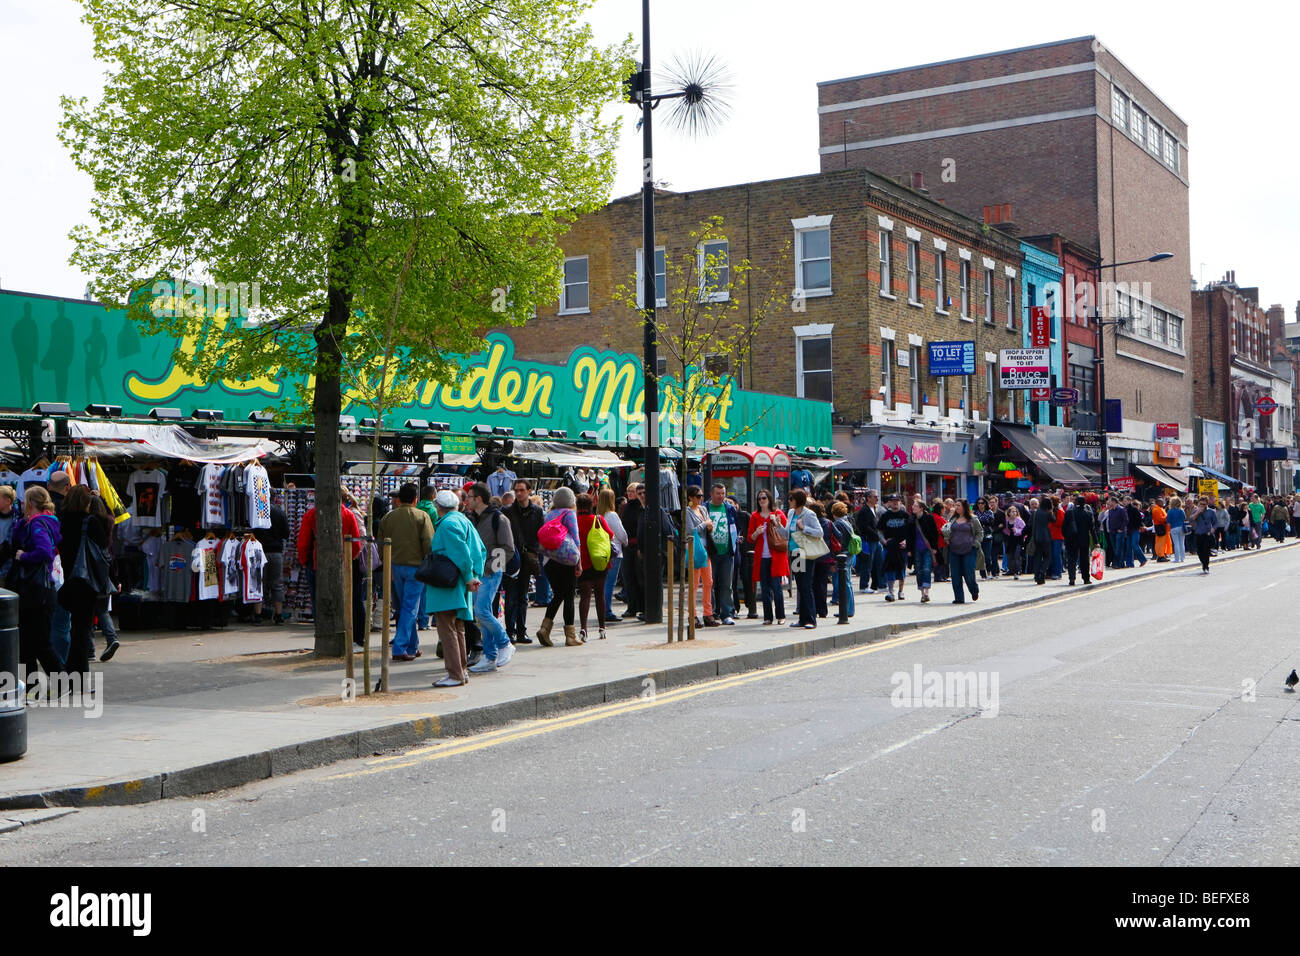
534	728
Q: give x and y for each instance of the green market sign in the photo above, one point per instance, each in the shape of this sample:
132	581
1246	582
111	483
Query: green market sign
67	350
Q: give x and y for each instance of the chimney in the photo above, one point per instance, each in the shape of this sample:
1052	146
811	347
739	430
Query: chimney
918	181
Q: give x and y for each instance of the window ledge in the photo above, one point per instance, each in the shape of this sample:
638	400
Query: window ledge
967	318
891	298
941	312
914	303
716	297
585	311
811	293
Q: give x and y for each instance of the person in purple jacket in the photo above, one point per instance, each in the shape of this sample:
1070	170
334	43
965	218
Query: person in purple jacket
35	545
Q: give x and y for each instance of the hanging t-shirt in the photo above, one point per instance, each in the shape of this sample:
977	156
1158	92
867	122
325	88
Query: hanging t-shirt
177	574
258	486
186	503
207	565
35	476
214	504
146	490
151	547
252	561
14	480
231	571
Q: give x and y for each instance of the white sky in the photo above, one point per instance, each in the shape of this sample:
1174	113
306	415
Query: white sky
1229	72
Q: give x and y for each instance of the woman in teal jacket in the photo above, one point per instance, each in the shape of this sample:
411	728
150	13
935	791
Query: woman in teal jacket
455	537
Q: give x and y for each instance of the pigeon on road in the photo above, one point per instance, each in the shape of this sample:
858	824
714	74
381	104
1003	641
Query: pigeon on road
1292	680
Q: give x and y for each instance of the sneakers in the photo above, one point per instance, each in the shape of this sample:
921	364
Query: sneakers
109	651
728	621
486	665
504	655
925	598
889	596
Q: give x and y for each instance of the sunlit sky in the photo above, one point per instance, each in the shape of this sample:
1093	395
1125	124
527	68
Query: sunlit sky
1229	72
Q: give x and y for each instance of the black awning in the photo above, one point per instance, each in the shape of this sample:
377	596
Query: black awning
1043	459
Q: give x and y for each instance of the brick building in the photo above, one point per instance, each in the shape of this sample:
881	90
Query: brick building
869	272
1078	146
1233	373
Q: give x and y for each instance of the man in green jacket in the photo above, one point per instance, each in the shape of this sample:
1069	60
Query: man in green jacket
455	537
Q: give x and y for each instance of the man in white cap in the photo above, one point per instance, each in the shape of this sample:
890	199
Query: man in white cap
411	532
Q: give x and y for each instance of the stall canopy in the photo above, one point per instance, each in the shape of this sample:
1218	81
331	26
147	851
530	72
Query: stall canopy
570	456
124	440
1051	464
1166	476
1209	472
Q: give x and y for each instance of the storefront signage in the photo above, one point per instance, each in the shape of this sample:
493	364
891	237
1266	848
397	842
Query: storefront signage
952	358
1087	446
1169	450
457	445
1114	415
1275	453
1065	397
1006	466
1040	327
78	352
902	452
1166	431
1024	368
1207	486
1124	484
926	453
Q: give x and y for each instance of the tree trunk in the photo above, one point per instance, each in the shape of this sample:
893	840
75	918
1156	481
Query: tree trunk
326	408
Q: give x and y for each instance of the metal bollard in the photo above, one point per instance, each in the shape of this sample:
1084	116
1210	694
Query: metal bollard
842	575
13	705
384	652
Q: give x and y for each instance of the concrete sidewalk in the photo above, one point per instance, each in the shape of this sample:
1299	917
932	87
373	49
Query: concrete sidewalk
204	711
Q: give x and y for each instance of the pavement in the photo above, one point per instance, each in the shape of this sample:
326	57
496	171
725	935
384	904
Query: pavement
185	714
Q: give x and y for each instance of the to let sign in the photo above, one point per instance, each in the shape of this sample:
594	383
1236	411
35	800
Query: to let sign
1040	327
1024	368
952	358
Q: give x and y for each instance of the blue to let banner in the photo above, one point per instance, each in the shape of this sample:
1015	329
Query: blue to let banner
952	358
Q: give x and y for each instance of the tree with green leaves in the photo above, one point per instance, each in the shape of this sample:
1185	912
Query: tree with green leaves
301	147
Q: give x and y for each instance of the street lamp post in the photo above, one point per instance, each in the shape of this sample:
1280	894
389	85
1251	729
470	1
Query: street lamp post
1099	359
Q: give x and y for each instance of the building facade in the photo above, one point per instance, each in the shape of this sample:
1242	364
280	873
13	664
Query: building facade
868	275
1071	139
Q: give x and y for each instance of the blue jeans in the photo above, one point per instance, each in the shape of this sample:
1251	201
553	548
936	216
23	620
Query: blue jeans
494	635
611	578
807	604
1135	549
722	568
835	585
924	567
406	594
963	569
1179	540
771	592
1058	549
421	615
987	547
61	632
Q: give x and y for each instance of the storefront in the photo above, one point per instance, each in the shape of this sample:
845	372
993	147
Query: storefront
1019	462
746	468
934	462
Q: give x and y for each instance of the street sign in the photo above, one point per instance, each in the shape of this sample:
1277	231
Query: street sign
1024	368
458	445
1065	396
1040	327
952	358
1207	486
1040	394
1266	405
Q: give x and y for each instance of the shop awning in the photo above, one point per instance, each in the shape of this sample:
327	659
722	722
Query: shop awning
1209	472
1048	462
125	440
813	464
1163	476
567	456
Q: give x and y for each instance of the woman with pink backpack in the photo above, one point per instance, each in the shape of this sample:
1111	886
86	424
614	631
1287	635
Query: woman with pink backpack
561	552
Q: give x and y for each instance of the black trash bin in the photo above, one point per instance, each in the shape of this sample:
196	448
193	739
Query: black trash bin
13	707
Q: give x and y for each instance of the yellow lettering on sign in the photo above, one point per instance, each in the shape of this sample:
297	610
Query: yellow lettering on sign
177	378
603	382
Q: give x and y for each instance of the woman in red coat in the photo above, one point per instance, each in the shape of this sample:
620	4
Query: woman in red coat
591	582
769	566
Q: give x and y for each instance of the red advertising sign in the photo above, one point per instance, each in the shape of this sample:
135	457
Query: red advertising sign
1040	327
1124	484
1040	394
1166	430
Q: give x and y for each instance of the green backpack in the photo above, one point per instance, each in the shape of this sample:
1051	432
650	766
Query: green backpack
598	546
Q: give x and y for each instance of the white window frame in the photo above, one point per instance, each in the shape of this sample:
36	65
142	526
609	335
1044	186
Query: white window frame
1137	126
941	394
913	272
640	278
564	287
1011	301
941	281
1170	154
988	295
801	227
887	359
1155	134
990	382
914	354
965	396
1118	108
885	253
963	289
723	291
804	333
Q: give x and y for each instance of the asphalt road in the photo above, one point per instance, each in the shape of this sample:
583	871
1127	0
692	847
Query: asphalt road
1144	724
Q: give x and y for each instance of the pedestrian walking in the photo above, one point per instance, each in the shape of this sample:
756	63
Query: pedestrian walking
803	522
771	564
824	565
411	533
497	536
722	538
1176	518
924	545
34	546
561	553
606	506
456	540
986	517
595	545
964	534
1077	528
842	531
525	521
1013	541
1278	520
1162	547
897	528
1203	525
1040	538
871	560
700	528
